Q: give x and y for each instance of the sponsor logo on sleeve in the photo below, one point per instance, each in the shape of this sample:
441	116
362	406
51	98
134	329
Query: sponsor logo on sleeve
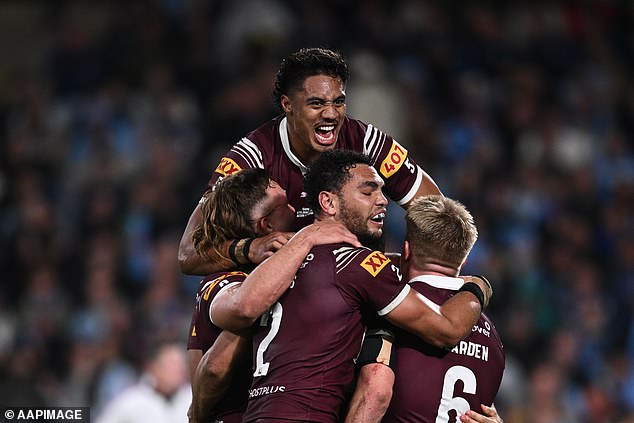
222	281
394	160
374	262
227	167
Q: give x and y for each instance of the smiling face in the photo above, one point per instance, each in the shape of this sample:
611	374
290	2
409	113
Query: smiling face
362	205
314	115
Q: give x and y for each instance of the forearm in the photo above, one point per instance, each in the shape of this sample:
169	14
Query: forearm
461	311
239	308
459	314
192	263
207	389
442	327
372	394
213	374
266	284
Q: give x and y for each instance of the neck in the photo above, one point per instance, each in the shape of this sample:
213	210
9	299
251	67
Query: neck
301	150
433	269
305	154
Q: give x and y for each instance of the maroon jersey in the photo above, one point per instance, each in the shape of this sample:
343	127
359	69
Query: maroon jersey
268	147
304	347
203	333
434	385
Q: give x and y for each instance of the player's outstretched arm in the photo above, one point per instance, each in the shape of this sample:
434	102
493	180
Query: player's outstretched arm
192	263
443	326
240	306
213	373
427	187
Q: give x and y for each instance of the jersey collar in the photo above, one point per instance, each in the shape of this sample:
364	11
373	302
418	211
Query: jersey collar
286	144
444	282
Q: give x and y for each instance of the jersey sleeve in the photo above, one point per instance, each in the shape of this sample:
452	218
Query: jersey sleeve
401	174
368	278
245	154
202	331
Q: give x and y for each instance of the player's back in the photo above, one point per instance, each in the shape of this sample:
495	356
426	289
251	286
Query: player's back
305	349
305	346
434	385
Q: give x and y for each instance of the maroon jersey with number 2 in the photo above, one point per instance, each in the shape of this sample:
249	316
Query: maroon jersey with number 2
268	147
304	347
437	386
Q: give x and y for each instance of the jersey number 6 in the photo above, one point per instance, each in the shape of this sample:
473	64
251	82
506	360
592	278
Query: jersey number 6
448	402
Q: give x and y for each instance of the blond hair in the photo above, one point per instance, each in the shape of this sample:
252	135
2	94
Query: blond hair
440	228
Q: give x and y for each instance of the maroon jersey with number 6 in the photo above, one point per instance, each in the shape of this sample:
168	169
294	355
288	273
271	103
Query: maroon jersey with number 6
203	333
433	385
268	147
304	348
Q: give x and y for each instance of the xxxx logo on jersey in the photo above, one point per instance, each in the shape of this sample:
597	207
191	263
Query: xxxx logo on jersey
394	160
227	167
374	262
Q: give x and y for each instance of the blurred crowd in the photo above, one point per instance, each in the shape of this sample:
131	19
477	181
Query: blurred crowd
114	114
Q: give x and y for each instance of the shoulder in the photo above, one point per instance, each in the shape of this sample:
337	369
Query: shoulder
363	260
353	130
217	281
364	137
266	134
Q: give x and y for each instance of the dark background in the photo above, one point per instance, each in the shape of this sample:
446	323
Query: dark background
114	114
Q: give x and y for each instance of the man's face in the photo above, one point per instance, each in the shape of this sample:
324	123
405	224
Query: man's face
362	205
280	214
315	114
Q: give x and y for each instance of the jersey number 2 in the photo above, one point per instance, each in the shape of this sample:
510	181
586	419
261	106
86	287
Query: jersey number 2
275	314
448	402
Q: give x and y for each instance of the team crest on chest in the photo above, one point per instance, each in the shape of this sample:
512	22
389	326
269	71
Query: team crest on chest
375	262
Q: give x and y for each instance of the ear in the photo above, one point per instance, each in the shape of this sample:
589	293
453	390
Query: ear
406	255
286	104
329	203
263	226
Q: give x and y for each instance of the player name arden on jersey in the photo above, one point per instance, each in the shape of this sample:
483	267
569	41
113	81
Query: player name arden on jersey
472	349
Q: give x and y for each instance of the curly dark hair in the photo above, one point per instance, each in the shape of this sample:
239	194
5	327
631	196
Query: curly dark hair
304	63
330	172
227	211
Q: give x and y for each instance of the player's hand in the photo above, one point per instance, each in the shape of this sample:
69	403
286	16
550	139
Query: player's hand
264	247
490	415
484	285
327	232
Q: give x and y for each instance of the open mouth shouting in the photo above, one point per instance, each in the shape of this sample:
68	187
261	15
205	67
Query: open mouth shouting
378	219
325	134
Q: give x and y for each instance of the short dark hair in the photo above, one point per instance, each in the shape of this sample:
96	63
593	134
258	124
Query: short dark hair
227	211
306	62
330	172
